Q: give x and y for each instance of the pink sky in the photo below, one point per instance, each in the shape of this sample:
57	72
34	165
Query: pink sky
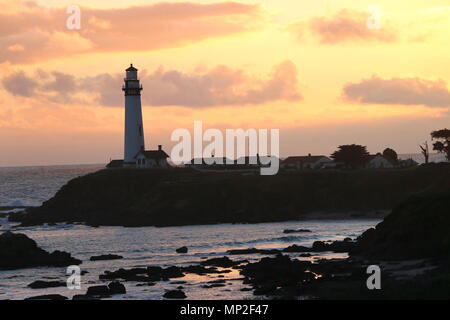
314	70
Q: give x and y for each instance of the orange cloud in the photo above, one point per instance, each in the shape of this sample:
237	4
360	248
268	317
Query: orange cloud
343	27
221	86
33	33
398	91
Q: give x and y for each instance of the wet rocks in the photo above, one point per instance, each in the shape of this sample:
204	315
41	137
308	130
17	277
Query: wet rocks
270	273
223	262
134	274
39	284
149	274
253	251
103	291
174	294
84	297
335	246
202	270
19	251
319	246
182	250
296	231
48	297
171	272
99	291
215	284
106	257
116	287
295	249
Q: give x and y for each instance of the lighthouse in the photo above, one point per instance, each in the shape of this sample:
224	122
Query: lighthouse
134	129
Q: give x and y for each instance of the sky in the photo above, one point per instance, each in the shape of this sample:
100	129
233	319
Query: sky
324	72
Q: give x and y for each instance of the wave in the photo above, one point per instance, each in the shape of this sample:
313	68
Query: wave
257	241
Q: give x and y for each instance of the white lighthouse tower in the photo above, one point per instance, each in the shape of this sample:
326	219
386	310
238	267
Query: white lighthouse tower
134	129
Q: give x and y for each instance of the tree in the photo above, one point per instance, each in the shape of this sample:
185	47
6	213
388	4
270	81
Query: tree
352	155
425	152
390	155
443	143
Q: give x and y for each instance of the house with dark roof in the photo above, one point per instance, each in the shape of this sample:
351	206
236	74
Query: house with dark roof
152	159
307	162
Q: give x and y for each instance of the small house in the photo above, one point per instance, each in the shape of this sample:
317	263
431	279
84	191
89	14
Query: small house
152	159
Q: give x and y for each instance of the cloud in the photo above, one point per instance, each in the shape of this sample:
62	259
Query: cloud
220	86
20	84
31	32
346	26
398	91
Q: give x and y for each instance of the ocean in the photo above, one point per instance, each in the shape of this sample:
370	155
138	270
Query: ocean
30	186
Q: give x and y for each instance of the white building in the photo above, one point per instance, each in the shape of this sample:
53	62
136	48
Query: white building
152	159
134	128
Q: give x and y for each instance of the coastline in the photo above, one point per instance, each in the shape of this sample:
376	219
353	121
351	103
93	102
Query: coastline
149	197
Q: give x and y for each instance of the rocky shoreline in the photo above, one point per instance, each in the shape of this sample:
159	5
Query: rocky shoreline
409	270
136	198
411	247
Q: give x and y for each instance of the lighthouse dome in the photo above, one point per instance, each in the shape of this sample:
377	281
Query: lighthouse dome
131	73
131	68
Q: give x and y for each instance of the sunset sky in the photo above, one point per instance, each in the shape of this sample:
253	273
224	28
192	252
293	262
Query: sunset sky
313	69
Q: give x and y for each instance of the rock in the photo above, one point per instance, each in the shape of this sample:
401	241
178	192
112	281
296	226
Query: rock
18	251
223	262
182	250
217	281
48	297
172	272
296	231
174	294
296	248
134	274
99	291
253	251
106	257
275	272
214	285
83	297
246	289
39	284
336	246
116	287
306	255
416	228
149	274
201	270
